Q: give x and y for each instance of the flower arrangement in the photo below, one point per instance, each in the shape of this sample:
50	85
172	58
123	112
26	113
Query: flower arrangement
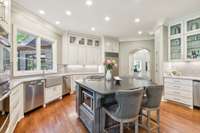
109	64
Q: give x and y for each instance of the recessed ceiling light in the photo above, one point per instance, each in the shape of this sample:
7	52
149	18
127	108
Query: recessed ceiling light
89	2
140	32
93	29
69	13
137	20
57	22
42	12
107	18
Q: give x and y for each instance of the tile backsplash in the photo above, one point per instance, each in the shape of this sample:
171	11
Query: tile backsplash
184	68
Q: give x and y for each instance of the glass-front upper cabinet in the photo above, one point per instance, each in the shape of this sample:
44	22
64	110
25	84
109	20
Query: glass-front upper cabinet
175	49
193	47
193	24
175	29
72	39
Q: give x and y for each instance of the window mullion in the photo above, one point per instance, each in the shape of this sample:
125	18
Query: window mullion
38	51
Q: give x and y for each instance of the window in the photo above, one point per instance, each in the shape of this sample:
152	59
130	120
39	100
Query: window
33	53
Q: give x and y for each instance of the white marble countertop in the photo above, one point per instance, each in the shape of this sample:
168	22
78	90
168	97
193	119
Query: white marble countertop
17	81
183	77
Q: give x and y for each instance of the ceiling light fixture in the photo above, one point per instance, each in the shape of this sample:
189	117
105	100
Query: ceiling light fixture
137	20
42	12
140	32
93	29
57	22
68	13
89	2
107	18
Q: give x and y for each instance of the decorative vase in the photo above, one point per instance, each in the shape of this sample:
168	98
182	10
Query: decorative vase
108	75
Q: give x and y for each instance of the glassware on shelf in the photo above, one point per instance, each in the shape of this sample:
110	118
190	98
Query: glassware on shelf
193	46
175	49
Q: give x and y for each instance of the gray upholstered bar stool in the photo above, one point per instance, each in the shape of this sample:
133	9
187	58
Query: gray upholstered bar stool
127	108
151	102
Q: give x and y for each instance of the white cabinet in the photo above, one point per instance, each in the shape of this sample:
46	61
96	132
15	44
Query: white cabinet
179	90
160	52
5	24
53	93
16	107
81	50
111	44
184	40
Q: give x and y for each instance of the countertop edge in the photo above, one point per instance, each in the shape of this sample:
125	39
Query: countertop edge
183	77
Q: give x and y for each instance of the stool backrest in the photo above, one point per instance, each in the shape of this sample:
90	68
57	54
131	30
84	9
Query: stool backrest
129	103
154	95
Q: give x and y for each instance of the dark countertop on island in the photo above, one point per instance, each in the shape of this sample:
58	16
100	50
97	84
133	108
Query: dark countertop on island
104	87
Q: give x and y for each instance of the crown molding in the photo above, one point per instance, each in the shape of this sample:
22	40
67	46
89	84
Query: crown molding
136	39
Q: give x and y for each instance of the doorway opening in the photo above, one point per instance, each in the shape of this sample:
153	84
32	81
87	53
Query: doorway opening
140	64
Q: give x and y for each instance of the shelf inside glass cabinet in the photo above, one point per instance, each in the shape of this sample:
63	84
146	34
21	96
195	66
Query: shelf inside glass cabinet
193	46
175	29
193	24
175	49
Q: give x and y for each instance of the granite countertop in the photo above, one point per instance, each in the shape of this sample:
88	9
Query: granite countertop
16	81
183	77
104	87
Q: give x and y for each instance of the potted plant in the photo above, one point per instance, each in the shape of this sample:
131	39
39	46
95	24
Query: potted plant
109	64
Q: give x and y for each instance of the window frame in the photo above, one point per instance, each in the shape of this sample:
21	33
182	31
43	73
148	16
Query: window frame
38	70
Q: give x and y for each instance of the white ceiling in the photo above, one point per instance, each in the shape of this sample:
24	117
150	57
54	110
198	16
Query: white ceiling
121	12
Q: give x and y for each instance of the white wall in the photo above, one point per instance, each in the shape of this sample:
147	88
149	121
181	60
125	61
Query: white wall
21	17
130	46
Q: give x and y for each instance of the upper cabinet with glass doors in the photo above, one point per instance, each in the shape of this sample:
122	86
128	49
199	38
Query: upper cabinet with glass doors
175	42
184	40
192	38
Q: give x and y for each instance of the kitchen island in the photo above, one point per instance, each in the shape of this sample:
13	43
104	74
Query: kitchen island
93	94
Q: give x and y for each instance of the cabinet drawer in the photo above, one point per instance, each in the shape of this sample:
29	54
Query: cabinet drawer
53	93
184	100
182	82
87	119
14	99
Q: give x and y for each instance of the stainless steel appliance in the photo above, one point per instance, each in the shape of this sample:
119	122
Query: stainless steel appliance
88	100
113	56
196	93
66	85
4	81
33	95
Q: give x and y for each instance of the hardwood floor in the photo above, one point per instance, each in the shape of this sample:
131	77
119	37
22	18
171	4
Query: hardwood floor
61	117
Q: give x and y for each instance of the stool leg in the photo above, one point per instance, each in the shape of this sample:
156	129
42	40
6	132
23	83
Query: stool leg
158	120
148	121
121	127
136	125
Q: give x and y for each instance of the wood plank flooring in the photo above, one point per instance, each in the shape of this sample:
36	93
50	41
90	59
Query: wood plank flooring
60	117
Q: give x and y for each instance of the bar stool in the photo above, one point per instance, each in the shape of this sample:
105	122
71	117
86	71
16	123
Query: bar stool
127	108
151	103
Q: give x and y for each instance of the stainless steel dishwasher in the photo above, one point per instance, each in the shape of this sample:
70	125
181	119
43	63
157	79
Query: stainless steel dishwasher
196	93
33	94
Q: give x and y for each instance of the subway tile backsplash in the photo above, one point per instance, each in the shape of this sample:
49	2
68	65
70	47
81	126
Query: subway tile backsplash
184	68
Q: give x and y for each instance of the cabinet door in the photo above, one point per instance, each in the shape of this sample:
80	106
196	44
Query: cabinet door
193	25
81	55
73	54
90	55
6	23
193	47
115	47
108	46
175	49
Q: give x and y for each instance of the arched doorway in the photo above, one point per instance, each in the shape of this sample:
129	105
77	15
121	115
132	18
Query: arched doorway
140	63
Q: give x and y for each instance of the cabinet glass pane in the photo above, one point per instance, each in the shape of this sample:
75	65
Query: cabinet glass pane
89	42
97	43
193	24
175	49
193	46
72	39
46	54
175	29
81	41
26	51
